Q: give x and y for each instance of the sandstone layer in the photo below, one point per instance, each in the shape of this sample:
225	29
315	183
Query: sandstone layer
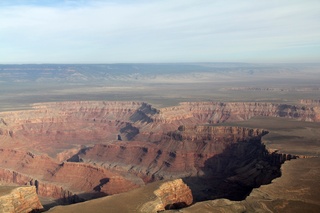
73	151
59	181
178	153
296	191
19	199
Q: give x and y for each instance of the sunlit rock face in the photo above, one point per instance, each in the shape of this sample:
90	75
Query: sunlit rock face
19	199
72	151
170	195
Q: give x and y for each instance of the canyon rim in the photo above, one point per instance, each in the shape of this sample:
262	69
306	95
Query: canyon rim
221	145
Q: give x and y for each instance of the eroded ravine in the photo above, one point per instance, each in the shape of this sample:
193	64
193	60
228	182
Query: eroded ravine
113	147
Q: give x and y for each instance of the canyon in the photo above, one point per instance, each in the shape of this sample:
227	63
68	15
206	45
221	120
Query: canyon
80	150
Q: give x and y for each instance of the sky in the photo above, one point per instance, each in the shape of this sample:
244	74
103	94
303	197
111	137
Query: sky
159	31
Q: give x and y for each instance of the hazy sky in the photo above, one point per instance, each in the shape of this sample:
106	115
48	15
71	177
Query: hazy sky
57	31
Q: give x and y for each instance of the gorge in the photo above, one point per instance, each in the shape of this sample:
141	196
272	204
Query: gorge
80	150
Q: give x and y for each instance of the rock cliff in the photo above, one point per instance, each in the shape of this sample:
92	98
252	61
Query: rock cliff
63	182
218	112
297	190
154	197
170	195
179	153
81	122
19	199
112	147
43	188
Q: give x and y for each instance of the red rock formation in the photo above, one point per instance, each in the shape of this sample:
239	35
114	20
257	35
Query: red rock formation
80	177
152	198
19	199
170	195
68	124
217	112
177	154
60	181
43	188
167	143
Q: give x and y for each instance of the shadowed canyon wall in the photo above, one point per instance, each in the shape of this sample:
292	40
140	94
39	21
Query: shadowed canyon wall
113	147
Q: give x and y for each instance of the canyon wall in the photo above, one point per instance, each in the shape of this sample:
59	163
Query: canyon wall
218	112
112	147
19	199
63	182
170	195
96	121
297	190
154	197
43	188
178	153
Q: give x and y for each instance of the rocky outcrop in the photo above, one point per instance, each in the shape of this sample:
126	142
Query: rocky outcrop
113	147
19	199
63	182
43	188
218	112
154	197
234	172
57	112
170	195
208	133
76	122
83	177
177	154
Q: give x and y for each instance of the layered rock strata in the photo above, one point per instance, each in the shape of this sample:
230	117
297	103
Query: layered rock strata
154	197
96	121
64	182
218	112
170	195
19	199
179	153
290	193
110	145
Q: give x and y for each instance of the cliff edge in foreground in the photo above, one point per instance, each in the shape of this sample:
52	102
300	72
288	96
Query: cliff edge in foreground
154	197
19	199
